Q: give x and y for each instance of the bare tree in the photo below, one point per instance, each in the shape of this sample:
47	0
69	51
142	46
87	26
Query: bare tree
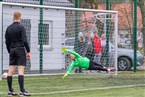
141	5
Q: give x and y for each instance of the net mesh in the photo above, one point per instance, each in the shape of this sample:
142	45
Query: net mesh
72	29
92	36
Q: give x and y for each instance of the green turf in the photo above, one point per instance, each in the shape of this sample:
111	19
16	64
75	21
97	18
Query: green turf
125	84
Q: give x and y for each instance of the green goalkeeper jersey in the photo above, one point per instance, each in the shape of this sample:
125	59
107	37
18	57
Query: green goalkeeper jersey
82	62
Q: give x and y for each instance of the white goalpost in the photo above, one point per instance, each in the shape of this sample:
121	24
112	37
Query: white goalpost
61	27
1	42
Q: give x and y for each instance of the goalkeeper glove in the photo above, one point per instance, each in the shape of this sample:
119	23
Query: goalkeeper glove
64	50
64	76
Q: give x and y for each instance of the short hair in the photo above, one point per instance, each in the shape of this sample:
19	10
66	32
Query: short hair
95	32
67	55
80	34
17	15
103	35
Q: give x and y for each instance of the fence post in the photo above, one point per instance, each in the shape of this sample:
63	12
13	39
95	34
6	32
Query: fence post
135	33
107	34
41	39
76	26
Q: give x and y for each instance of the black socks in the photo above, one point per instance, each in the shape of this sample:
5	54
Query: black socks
9	81
21	82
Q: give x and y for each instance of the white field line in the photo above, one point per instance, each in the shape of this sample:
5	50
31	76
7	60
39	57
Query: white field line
81	90
51	74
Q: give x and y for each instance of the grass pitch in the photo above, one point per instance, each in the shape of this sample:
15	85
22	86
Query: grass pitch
125	84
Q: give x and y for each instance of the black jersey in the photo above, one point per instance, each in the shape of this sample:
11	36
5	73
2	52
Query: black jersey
16	37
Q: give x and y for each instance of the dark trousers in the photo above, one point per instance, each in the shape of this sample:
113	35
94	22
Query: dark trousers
96	66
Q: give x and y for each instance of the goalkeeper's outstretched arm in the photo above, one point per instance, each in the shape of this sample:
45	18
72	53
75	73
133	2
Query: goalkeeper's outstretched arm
71	52
71	67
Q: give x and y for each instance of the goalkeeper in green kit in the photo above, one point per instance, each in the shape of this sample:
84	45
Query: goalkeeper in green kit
82	62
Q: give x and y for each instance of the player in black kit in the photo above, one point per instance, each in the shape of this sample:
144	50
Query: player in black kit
16	43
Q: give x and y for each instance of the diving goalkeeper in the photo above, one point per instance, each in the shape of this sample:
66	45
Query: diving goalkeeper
82	62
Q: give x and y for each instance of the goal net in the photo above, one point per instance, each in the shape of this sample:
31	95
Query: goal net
93	34
50	28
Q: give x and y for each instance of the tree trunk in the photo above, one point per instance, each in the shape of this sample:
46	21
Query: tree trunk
142	8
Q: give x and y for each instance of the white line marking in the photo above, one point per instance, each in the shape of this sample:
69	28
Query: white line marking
79	90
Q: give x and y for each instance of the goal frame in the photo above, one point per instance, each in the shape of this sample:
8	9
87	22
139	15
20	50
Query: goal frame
58	8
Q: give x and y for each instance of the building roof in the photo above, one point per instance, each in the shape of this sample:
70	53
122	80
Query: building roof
61	3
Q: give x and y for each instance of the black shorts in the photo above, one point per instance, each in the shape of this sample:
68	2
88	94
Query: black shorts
18	56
